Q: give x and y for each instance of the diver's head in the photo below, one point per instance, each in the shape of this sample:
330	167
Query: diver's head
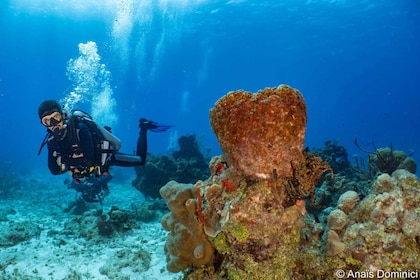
51	115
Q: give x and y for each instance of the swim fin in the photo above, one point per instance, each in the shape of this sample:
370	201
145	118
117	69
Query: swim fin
153	126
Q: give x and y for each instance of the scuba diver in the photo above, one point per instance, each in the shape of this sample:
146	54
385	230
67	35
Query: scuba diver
78	145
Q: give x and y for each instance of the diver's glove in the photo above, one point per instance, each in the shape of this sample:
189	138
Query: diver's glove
145	124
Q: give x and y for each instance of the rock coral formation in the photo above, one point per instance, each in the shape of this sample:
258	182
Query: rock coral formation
186	165
357	178
249	220
337	220
386	160
334	244
242	232
381	232
329	192
347	201
335	154
95	224
261	134
244	221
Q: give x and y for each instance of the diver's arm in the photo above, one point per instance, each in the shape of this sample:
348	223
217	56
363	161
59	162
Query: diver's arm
54	163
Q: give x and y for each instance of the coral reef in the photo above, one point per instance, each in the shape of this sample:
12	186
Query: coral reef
334	244
150	210
244	221
104	225
331	189
42	238
188	149
186	165
261	134
357	177
385	160
241	228
336	156
257	216
381	232
337	220
347	201
95	224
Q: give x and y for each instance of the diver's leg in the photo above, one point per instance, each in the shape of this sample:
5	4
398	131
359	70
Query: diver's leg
126	160
121	159
142	144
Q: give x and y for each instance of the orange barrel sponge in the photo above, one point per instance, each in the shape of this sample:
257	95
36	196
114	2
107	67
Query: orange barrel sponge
261	134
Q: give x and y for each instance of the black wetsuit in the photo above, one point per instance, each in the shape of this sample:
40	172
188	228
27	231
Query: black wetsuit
62	155
67	153
80	148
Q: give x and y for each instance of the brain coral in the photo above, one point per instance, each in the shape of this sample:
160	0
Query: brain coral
261	134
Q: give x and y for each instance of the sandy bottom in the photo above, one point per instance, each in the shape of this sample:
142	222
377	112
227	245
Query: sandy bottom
45	245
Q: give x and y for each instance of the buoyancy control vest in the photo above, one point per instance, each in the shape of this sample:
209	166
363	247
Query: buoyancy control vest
105	143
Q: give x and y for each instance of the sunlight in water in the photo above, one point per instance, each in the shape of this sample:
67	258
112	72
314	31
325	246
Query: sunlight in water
83	8
131	25
133	20
185	102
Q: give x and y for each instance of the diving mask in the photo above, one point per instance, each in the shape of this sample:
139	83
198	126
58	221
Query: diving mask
52	119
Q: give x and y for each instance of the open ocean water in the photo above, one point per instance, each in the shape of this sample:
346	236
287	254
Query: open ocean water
355	62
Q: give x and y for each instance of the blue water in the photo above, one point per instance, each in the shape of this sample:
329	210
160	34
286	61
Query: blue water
355	62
